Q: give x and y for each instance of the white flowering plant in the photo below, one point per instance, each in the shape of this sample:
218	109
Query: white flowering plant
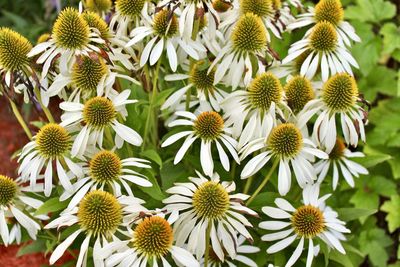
195	133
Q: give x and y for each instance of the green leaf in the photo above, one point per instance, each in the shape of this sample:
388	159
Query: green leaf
350	214
381	80
373	242
152	155
391	37
370	45
34	247
392	208
371	10
154	191
51	205
340	258
373	160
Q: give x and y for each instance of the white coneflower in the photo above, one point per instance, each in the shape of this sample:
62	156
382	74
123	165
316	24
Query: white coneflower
71	37
51	144
321	50
208	210
233	63
209	127
107	170
331	11
242	258
200	79
97	114
13	55
339	97
340	159
310	221
267	10
287	147
252	112
89	77
99	215
193	10
128	13
151	241
114	47
163	31
13	206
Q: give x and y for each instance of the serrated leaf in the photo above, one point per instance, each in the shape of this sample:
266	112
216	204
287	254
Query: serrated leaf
373	242
391	37
51	205
392	208
370	45
371	10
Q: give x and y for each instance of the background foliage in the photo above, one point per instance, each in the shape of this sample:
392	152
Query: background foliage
375	238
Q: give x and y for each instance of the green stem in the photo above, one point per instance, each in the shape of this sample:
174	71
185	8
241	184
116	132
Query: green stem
248	184
207	252
264	182
151	106
20	119
44	108
233	169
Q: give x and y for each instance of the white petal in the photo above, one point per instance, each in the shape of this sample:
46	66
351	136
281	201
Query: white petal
60	249
128	134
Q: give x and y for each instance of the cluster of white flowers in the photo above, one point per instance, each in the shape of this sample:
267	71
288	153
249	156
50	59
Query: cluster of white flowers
245	106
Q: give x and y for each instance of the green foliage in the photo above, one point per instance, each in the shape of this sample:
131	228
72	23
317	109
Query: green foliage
392	207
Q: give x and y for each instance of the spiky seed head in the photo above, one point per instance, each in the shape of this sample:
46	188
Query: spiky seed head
99	213
211	200
13	50
340	92
70	30
323	37
97	22
98	5
99	112
87	72
43	38
153	237
298	92
285	140
308	221
8	190
263	90
165	23
202	80
130	8
249	34
208	125
329	10
221	6
338	150
105	166
261	8
53	141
